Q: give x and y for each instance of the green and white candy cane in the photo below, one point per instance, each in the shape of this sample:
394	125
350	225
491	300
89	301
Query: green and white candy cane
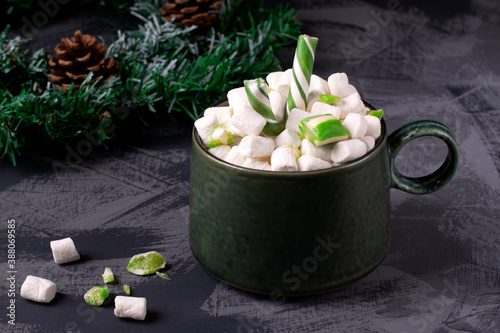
259	100
301	73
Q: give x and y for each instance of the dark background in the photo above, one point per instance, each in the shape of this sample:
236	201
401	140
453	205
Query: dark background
428	60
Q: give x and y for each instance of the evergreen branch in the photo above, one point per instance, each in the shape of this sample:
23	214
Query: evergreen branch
163	70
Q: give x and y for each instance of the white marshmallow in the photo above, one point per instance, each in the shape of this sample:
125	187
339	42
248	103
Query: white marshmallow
369	142
294	118
256	146
253	163
323	108
287	138
374	127
320	84
237	140
351	104
64	250
339	85
223	113
248	121
321	152
235	157
312	99
220	151
37	289
238	98
273	79
284	84
204	126
236	132
309	162
284	159
278	104
317	86
130	307
356	125
348	150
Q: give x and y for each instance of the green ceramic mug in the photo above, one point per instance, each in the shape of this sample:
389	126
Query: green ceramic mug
299	233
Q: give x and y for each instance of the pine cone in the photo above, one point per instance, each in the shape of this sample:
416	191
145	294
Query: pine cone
76	57
202	13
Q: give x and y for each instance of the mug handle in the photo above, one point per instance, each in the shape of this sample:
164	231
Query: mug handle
437	179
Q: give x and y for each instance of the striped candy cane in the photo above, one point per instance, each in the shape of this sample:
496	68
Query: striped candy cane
259	100
301	73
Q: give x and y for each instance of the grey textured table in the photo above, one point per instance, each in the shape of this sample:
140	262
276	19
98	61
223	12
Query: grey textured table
418	61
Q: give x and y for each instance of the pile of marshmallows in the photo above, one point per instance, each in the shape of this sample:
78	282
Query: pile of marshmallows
238	127
42	290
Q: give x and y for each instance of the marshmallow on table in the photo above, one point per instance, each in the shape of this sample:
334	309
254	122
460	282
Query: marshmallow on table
204	126
256	146
223	113
348	150
356	125
309	162
374	127
37	289
278	104
321	152
287	138
339	85
351	104
130	307
220	151
369	142
323	108
64	250
234	156
294	118
253	163
248	121
284	159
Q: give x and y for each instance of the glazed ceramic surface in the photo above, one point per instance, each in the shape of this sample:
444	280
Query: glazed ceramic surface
297	233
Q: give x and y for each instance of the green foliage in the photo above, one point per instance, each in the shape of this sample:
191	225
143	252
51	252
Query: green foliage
164	70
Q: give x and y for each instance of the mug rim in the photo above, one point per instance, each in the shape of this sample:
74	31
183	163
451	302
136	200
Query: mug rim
382	139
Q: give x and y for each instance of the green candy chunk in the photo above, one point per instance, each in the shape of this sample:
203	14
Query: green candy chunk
323	129
96	296
126	288
330	99
163	275
146	263
376	113
108	275
220	136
